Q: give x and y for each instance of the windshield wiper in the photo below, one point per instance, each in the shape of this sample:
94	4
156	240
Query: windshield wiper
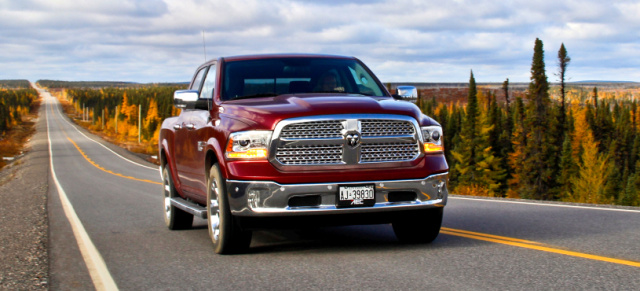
256	96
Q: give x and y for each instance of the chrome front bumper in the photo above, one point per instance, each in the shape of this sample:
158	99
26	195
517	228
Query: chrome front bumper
264	198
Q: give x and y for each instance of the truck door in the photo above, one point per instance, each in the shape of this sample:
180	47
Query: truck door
201	132
195	125
185	149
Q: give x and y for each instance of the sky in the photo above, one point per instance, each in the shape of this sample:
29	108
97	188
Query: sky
151	41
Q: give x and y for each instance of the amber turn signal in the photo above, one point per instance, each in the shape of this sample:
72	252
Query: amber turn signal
250	154
430	148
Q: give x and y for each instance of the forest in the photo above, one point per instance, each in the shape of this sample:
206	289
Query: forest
99	84
15	103
18	107
565	142
549	143
124	115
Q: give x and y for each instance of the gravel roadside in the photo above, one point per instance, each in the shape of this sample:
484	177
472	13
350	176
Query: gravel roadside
24	262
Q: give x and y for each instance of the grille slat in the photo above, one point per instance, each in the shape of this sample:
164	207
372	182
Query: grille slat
310	155
375	127
313	129
387	152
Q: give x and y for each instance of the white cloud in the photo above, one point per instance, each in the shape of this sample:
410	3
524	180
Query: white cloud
401	40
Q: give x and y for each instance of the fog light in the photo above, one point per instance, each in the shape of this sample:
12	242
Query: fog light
254	196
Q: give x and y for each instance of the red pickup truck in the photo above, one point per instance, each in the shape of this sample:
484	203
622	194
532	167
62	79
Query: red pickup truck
297	140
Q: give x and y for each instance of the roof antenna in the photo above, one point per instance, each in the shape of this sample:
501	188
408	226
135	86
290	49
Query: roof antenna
204	46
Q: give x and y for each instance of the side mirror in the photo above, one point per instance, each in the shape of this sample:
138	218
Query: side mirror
407	93
185	99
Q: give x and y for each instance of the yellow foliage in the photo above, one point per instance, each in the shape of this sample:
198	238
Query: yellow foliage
515	159
152	115
123	128
128	110
581	129
590	184
133	131
156	133
474	190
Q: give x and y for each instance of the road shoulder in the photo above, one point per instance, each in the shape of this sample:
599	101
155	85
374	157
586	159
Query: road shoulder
24	262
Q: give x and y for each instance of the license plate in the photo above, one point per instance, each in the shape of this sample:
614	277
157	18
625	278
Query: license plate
354	196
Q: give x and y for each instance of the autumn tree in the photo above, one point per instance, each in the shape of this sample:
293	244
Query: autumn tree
517	155
152	121
590	184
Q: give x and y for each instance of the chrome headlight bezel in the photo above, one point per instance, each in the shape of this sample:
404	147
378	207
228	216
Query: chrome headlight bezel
248	145
433	139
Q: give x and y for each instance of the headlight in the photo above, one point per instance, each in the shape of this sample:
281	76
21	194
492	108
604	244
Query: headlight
249	145
432	139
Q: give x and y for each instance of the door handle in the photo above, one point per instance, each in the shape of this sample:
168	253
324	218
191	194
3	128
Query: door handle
190	126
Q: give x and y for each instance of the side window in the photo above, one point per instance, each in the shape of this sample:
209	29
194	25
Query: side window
209	84
198	80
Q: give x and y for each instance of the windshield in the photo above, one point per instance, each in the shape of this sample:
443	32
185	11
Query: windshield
278	76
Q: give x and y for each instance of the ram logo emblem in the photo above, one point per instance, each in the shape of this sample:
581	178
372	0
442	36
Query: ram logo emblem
353	139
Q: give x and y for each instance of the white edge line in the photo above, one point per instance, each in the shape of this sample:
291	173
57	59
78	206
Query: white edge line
74	127
548	204
98	270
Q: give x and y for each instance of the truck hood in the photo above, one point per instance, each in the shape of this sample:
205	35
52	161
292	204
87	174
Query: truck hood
265	113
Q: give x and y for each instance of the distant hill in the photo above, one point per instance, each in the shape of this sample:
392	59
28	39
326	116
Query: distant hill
600	81
515	85
15	84
101	84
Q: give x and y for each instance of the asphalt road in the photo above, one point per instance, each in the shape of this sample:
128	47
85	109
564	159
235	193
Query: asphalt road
485	244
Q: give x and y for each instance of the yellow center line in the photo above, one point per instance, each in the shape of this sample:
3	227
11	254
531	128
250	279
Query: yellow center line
491	236
109	171
533	246
98	166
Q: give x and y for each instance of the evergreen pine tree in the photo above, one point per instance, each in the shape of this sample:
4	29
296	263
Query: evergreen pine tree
479	169
567	167
495	120
465	151
631	194
563	62
539	153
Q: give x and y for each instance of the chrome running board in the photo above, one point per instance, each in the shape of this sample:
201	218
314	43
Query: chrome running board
189	207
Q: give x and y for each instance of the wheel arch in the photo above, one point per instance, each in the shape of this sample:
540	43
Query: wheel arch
210	159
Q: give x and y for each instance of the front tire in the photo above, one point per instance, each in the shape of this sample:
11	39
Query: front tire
175	218
421	226
226	235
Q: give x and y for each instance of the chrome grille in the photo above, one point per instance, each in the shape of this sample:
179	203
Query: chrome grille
313	129
387	152
337	140
310	155
382	127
